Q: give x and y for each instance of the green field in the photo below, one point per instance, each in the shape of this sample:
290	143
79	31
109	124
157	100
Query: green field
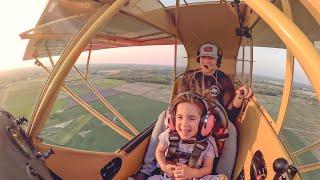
293	143
99	137
302	120
79	87
76	128
23	94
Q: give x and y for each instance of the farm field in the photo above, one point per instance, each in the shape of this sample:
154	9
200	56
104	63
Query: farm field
75	128
140	100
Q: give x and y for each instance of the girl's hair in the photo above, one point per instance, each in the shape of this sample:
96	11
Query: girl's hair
189	98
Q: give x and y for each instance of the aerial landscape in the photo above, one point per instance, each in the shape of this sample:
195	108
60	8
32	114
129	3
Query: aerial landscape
141	93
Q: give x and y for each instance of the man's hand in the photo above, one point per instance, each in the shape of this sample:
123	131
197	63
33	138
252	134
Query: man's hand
182	172
242	93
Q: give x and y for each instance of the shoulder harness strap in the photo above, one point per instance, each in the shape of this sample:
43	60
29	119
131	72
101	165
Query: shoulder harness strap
173	146
195	155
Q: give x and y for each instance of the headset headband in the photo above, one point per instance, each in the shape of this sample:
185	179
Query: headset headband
194	95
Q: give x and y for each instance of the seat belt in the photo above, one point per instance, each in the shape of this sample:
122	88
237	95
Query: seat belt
195	155
173	153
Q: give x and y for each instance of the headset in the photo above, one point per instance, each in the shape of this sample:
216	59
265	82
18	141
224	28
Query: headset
207	120
220	55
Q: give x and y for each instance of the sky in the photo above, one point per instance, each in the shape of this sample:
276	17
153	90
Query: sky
24	16
17	17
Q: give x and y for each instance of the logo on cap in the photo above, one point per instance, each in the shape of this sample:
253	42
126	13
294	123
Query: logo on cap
208	49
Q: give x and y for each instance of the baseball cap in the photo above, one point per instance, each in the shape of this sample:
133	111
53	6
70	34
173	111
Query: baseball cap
208	49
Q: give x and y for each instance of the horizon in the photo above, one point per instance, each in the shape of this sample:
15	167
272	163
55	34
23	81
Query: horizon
266	59
163	65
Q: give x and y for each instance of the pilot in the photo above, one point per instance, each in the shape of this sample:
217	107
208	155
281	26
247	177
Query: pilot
214	84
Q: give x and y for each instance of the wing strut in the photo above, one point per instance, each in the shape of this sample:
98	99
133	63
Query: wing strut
86	106
107	104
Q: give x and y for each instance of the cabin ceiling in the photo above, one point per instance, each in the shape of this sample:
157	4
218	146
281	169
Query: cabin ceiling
148	23
264	36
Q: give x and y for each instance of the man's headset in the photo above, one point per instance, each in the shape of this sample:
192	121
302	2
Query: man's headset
206	122
220	55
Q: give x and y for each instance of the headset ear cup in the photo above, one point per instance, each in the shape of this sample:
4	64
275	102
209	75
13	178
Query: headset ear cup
208	126
198	53
170	121
219	60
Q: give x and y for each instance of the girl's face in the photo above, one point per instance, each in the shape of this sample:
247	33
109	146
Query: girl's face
187	120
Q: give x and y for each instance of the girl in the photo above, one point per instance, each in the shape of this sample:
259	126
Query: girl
189	118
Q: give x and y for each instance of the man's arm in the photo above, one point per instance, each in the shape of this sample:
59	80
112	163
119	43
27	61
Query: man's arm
234	107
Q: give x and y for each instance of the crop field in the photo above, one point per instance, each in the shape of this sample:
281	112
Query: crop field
140	95
302	121
75	128
19	95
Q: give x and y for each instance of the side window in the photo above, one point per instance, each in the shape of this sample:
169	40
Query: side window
302	122
182	59
268	74
243	65
20	89
134	80
126	87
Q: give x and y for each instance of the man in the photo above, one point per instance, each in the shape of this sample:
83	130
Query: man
213	84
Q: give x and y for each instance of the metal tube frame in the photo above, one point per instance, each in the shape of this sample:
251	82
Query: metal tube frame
309	167
49	54
53	22
305	149
88	61
313	7
66	62
242	67
296	41
288	75
107	104
292	37
91	110
251	61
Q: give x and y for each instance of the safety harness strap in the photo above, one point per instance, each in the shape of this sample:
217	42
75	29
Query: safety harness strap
173	146
174	154
195	155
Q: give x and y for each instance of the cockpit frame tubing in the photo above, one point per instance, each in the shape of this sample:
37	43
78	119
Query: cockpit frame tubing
87	107
23	34
305	149
66	62
251	61
313	7
107	104
300	47
293	38
88	62
308	167
242	65
49	53
288	75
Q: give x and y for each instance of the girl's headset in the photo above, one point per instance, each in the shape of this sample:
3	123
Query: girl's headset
206	122
220	55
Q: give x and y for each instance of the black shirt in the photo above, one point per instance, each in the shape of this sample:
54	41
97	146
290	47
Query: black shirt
216	86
